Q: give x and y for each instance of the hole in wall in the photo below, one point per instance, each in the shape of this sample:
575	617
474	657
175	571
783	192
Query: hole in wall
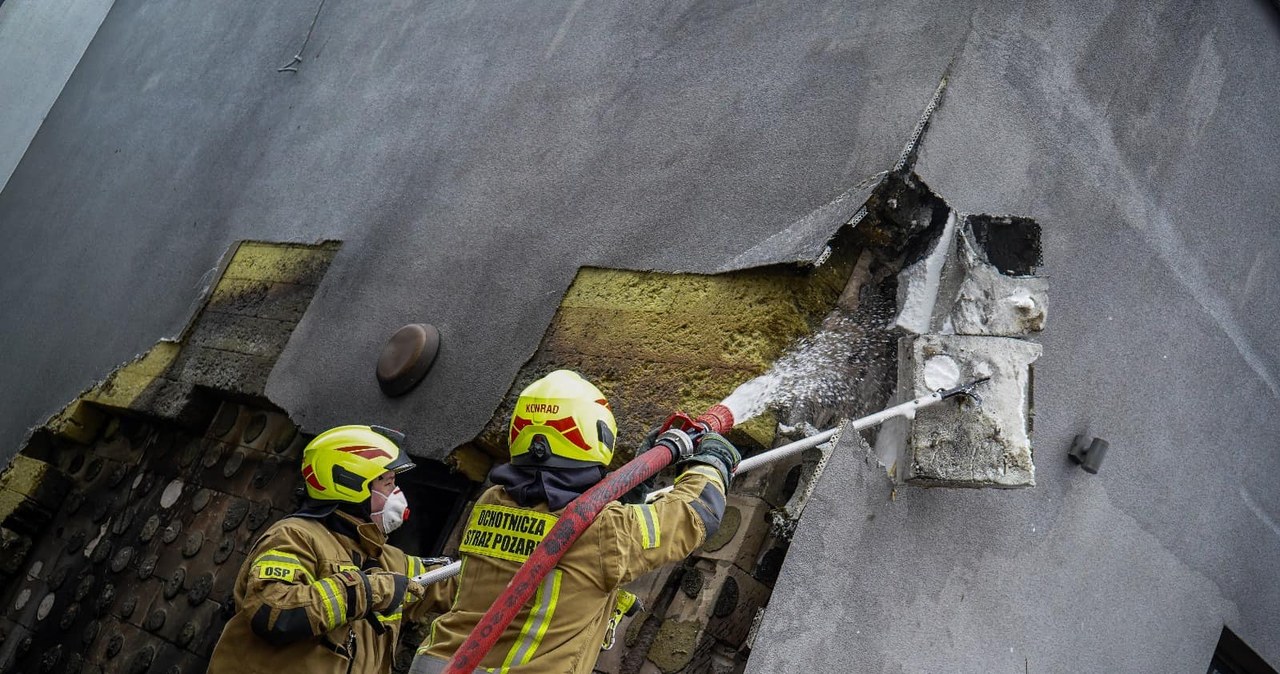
437	498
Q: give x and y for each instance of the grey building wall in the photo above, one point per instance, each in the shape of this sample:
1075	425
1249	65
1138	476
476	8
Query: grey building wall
1142	138
41	42
472	158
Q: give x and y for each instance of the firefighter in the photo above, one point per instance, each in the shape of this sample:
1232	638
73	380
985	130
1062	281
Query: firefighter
321	590
561	438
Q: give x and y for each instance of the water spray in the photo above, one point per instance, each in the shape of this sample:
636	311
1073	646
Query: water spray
676	439
822	369
907	410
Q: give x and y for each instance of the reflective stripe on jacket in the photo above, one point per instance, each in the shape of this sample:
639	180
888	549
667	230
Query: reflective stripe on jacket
562	628
304	604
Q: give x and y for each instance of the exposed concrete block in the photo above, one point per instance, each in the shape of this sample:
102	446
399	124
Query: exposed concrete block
14	548
738	600
31	491
267	432
121	389
178	401
243	296
157	359
24	475
716	601
224	370
261	337
286	302
129	387
116	446
78	422
778	482
471	461
742	531
676	645
960	444
723	339
264	299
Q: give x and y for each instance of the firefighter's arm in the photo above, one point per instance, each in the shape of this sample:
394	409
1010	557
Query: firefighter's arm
436	597
288	602
675	524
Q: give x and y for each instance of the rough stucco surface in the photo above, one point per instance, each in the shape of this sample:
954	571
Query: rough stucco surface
470	158
981	581
40	43
1143	140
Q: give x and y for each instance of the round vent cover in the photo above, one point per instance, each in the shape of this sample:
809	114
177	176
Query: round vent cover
407	357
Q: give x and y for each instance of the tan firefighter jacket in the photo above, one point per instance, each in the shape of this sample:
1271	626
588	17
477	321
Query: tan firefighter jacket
562	629
303	604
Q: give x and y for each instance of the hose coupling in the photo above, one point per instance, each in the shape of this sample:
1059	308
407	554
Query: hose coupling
679	442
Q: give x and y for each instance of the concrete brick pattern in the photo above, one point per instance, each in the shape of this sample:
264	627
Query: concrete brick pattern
154	520
153	526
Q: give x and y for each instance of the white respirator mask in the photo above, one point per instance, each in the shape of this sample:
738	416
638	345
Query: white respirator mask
394	511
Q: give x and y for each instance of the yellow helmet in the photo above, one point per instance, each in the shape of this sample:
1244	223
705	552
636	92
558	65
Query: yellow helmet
339	464
562	420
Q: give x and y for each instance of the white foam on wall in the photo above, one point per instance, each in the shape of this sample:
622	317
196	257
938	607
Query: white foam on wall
941	372
920	283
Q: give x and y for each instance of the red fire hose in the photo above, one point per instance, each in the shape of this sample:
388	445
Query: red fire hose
575	520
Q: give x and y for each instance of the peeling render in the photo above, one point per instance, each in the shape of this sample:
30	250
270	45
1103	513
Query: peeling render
125	518
187	430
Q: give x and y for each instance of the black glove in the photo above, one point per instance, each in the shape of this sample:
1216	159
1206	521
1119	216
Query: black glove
711	449
639	494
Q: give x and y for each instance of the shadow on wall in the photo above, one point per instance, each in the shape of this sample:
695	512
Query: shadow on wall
125	519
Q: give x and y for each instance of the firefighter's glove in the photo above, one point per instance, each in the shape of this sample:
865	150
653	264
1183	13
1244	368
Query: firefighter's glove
415	591
714	451
390	590
639	494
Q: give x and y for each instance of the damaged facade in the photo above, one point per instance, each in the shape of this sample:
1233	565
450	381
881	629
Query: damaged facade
674	200
181	459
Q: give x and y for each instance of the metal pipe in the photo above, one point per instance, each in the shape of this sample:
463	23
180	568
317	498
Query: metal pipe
906	409
436	575
579	515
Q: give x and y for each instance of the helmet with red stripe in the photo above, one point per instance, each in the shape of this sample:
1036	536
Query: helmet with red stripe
339	464
562	420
